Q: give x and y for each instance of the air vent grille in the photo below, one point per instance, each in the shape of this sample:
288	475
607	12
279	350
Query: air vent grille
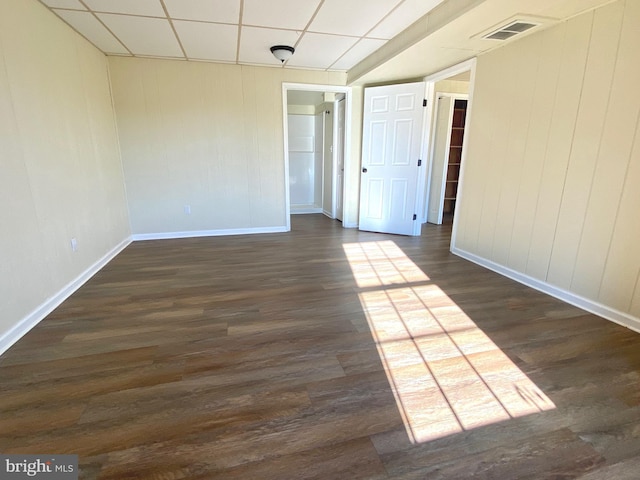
510	30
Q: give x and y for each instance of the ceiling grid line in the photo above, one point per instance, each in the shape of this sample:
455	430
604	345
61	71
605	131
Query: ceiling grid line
102	23
173	27
240	14
372	40
366	35
194	30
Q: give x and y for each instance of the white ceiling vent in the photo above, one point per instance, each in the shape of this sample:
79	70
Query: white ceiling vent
510	30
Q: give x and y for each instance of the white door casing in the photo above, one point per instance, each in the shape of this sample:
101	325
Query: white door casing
339	154
439	157
391	146
350	211
445	103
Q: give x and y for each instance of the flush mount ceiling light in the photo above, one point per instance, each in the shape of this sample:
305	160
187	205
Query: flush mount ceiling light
282	52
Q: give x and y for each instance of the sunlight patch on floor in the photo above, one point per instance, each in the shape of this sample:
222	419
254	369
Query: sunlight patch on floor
447	375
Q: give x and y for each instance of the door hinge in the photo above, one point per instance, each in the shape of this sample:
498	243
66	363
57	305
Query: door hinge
415	217
424	102
419	162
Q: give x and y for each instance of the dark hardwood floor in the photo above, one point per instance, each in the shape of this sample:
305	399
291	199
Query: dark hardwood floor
321	353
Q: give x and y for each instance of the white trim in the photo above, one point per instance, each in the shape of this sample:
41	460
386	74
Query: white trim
350	225
286	86
23	326
438	96
465	148
421	185
208	233
328	214
467	65
425	176
285	131
336	153
592	306
452	71
334	162
305	210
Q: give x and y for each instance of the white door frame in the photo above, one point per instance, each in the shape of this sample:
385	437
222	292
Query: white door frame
336	153
417	90
466	66
432	151
347	136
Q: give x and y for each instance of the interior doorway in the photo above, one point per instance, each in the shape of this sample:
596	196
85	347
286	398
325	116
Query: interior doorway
446	156
449	98
316	136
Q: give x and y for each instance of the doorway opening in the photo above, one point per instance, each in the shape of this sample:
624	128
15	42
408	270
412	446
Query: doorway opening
316	137
446	155
449	95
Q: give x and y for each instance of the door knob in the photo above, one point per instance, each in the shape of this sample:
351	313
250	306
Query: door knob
364	170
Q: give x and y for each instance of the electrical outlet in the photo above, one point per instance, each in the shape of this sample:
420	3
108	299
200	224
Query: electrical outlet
74	245
187	209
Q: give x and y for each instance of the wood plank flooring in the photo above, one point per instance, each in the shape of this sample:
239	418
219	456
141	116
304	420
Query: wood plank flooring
253	357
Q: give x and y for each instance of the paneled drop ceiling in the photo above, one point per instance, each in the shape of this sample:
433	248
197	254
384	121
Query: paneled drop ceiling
327	34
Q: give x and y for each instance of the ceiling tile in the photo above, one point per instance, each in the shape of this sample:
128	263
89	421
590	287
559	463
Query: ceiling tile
151	8
255	43
355	17
72	4
86	24
359	51
144	36
403	16
293	14
208	41
320	51
221	11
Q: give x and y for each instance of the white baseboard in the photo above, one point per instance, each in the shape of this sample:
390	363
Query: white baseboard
208	233
328	214
33	318
592	306
306	210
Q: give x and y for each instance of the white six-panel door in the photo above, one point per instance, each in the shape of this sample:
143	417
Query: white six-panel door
391	145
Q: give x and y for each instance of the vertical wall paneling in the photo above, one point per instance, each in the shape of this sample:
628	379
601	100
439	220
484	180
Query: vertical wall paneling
619	281
206	135
587	136
617	138
521	87
502	111
576	35
619	285
478	138
536	145
550	192
62	173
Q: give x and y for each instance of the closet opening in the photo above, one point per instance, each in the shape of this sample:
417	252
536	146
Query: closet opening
449	95
315	121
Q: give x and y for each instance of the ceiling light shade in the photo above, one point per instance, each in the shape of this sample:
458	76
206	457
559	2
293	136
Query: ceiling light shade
282	52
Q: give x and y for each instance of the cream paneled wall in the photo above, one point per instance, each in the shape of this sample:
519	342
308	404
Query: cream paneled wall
452	86
61	174
550	189
205	135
